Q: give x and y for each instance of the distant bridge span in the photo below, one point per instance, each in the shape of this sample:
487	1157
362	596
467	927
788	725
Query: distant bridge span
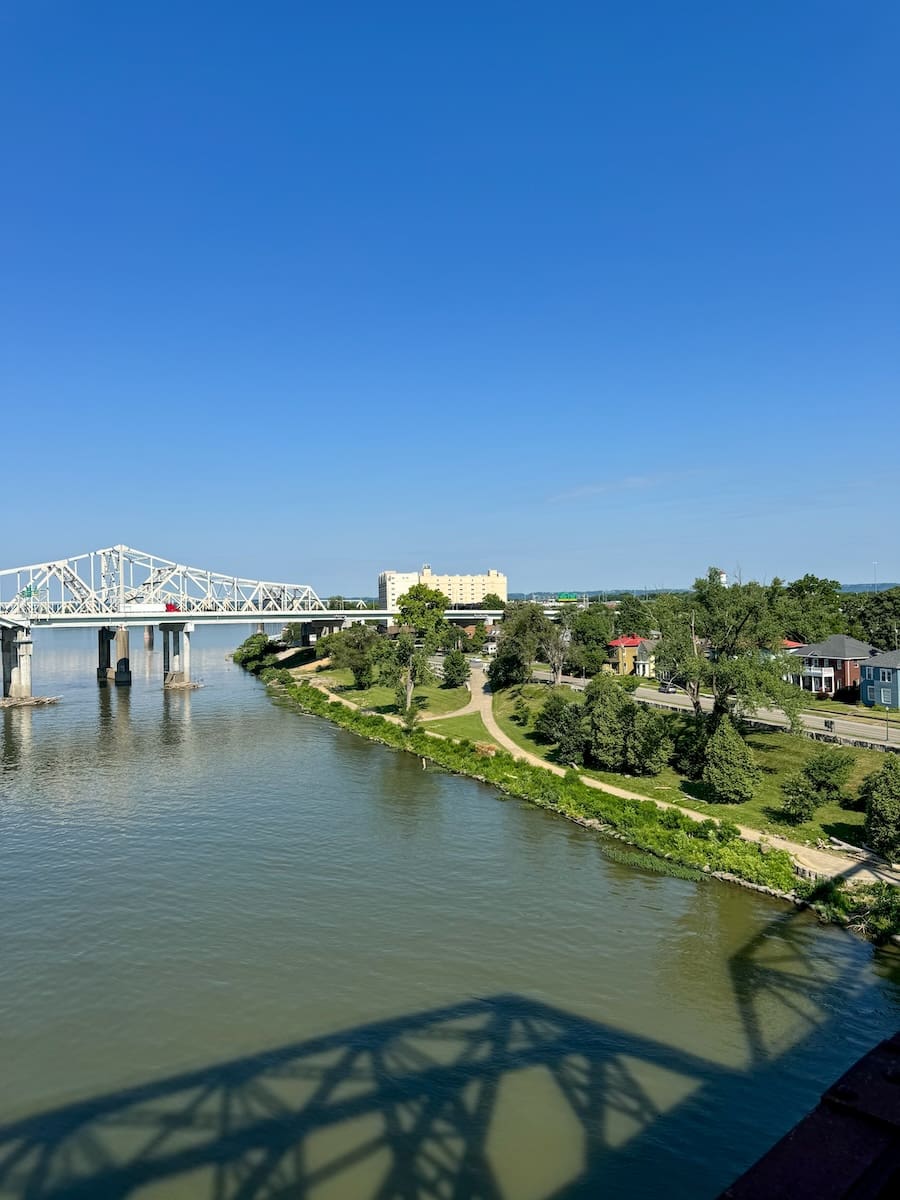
118	588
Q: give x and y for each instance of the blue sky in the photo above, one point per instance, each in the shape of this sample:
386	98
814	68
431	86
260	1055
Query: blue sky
597	294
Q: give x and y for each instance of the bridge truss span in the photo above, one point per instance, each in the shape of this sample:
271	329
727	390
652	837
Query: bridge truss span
121	585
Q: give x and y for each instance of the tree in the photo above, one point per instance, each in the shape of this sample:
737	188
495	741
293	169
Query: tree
647	744
561	721
521	711
509	666
293	634
555	646
477	638
621	735
456	669
606	712
810	609
411	669
727	641
336	602
590	629
821	780
730	769
422	610
634	616
881	792
493	601
357	649
522	631
878	614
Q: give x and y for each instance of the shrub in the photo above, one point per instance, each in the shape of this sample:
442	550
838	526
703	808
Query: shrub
730	769
456	669
881	792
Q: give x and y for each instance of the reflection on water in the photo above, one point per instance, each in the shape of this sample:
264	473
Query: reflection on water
244	954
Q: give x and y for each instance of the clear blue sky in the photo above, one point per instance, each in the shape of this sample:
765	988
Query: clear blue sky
596	293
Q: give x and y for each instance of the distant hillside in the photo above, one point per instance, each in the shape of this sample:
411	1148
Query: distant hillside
868	587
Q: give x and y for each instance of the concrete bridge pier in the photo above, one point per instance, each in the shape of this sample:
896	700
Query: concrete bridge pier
176	652
104	655
122	674
148	637
15	654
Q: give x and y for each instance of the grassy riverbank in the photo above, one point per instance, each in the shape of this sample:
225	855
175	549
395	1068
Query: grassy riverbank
698	847
665	839
779	755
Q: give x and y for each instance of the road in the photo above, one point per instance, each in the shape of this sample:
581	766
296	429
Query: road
865	730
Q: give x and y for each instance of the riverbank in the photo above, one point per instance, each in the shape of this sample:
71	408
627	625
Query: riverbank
667	839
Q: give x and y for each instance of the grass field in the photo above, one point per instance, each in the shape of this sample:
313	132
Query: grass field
777	754
470	726
437	700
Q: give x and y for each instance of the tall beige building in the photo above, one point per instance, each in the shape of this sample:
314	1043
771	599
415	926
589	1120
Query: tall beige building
459	589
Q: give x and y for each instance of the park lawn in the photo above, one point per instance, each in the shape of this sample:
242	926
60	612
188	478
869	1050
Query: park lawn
778	755
470	726
436	699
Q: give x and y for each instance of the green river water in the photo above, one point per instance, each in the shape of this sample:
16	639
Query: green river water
246	955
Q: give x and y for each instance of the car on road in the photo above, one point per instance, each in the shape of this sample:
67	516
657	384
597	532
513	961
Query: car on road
668	687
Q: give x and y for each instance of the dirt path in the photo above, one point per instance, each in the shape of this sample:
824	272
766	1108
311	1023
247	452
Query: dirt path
865	868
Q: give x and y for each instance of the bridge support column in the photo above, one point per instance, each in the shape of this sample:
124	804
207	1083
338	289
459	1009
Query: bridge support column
148	637
260	627
176	652
186	653
104	657
122	674
16	659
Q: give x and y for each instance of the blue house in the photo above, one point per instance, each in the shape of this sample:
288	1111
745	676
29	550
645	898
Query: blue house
879	680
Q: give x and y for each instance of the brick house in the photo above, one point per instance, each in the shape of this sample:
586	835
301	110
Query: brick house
831	666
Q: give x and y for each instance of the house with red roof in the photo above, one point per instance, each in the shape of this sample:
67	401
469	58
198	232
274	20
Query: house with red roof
623	653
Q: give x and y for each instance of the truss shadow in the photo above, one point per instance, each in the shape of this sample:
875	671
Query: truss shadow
418	1106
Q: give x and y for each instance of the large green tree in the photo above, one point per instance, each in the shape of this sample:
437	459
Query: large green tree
522	632
634	616
455	669
492	602
730	770
421	609
727	642
357	649
809	609
590	629
881	792
621	735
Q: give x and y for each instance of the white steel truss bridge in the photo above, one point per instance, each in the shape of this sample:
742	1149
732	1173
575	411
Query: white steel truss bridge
123	586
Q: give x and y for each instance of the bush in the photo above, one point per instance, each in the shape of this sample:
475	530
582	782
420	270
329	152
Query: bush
456	669
522	712
800	799
881	793
730	768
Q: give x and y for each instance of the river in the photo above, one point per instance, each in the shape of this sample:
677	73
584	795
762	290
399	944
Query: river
246	954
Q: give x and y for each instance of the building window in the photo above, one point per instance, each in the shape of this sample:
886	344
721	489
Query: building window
885	675
870	694
867	672
886	696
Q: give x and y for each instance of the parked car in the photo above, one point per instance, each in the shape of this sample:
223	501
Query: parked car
668	687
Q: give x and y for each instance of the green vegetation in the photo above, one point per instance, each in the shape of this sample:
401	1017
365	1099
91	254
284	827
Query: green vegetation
470	727
256	653
381	698
730	769
822	779
456	669
778	756
881	795
699	846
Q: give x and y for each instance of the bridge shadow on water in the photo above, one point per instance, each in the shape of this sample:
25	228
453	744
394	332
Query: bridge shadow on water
498	1098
